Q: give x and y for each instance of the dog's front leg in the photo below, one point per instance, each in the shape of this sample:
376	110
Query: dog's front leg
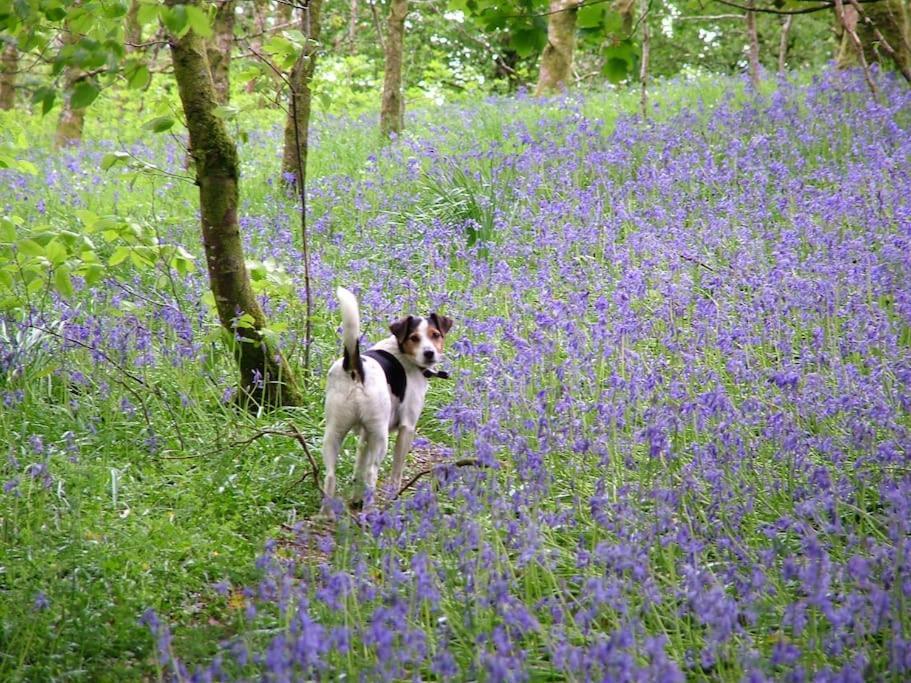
402	446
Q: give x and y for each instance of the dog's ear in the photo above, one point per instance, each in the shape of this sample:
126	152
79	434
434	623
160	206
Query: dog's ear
441	322
402	327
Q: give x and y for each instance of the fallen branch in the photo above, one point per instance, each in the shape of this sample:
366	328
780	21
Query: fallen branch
464	462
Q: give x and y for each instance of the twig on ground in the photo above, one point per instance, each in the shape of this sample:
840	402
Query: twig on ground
464	462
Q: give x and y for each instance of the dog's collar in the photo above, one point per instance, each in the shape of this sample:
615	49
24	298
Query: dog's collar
441	374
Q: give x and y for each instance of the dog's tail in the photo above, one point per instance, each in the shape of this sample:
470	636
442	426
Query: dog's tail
351	332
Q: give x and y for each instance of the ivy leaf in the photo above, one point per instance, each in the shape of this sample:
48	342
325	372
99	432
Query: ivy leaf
84	93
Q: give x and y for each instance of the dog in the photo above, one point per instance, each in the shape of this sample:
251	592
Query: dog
378	392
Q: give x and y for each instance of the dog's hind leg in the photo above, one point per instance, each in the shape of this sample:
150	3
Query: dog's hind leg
402	446
360	471
332	444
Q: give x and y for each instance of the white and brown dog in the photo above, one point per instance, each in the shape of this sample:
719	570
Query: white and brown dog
379	391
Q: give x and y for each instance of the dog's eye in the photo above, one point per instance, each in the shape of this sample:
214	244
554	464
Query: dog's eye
415	338
435	335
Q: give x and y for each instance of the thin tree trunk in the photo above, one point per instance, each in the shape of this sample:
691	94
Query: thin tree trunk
557	59
392	108
786	22
847	17
897	25
132	29
294	156
352	27
644	64
265	378
626	9
72	119
880	26
218	49
753	43
9	66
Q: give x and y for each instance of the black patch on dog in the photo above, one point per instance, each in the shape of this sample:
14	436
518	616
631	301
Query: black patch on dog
441	322
395	373
354	365
402	327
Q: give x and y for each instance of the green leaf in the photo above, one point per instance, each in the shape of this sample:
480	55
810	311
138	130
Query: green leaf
525	42
112	159
199	21
30	248
62	281
120	255
92	273
620	59
84	93
175	19
46	96
590	16
139	77
7	230
148	12
55	252
159	124
86	217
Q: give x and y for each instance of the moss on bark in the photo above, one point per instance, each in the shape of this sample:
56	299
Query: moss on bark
555	70
265	377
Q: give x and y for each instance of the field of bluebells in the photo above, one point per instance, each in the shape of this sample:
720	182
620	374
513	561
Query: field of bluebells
682	360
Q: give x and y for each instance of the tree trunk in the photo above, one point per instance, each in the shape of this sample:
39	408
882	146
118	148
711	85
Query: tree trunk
644	64
352	27
626	9
132	29
392	109
72	120
786	22
265	378
753	45
890	19
555	70
218	49
294	157
847	17
9	66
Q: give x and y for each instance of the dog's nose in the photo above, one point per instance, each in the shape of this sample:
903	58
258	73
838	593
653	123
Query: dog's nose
429	354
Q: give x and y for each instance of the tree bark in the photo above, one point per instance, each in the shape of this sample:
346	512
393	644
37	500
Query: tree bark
644	64
392	108
132	28
555	70
753	45
352	27
786	22
626	9
888	19
72	119
265	378
9	66
218	49
847	17
297	123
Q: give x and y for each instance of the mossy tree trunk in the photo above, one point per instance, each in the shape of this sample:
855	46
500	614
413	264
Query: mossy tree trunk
752	44
72	119
9	66
555	71
218	50
392	107
890	19
297	122
265	378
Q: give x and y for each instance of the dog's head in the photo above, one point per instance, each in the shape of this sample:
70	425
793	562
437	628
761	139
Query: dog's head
421	339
